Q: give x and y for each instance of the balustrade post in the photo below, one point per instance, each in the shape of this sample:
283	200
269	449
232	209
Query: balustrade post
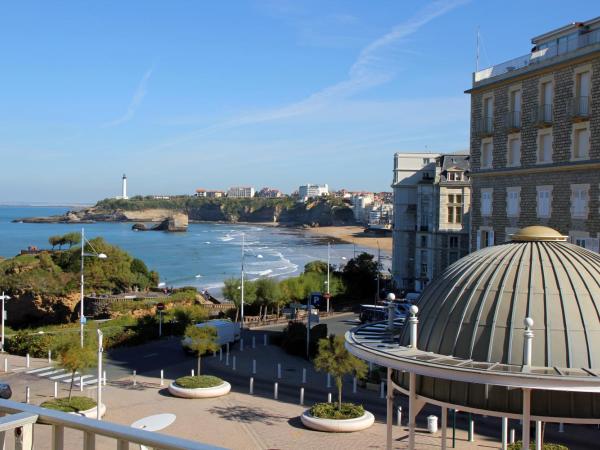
58	437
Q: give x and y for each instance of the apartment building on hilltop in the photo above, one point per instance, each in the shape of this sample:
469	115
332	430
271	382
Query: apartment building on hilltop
240	192
535	139
431	215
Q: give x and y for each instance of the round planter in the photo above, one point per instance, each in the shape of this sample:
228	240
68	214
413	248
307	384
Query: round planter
92	412
210	392
337	425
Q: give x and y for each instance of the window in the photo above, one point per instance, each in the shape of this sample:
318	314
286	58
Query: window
426	161
515	100
546	102
485	238
544	146
513	200
486	154
579	200
581	141
486	202
455	208
582	84
544	201
581	106
423	264
453	242
488	109
454	176
514	151
423	241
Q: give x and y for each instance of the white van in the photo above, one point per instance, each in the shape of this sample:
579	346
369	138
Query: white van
228	332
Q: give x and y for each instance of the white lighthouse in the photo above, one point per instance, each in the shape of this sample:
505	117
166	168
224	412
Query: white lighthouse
124	196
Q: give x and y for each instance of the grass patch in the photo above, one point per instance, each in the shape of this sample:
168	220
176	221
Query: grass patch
76	404
202	381
330	411
547	446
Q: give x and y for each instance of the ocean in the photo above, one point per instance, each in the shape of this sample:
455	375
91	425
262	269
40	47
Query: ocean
203	257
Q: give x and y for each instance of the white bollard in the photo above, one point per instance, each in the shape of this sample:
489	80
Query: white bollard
253	341
228	348
354	383
56	389
279	371
304	376
253	367
221	354
561	427
399	416
276	390
472	429
227	358
104	377
27	393
251	385
27	360
192	372
432	424
241	345
382	390
5	364
81	383
233	363
329	397
512	436
162	377
134	380
328	380
265	340
301	396
49	356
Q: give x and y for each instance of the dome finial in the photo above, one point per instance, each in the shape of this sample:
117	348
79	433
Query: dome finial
537	233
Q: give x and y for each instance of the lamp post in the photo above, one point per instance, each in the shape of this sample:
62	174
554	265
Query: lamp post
242	286
3	297
83	255
99	376
328	263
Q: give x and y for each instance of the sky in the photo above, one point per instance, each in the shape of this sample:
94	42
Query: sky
187	94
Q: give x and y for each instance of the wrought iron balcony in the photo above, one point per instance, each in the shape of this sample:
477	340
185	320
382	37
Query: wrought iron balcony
580	108
484	127
543	116
513	120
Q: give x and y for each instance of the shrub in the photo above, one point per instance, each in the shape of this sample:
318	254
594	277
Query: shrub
547	446
330	411
202	381
23	342
74	404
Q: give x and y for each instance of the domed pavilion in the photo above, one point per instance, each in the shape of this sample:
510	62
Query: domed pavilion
507	331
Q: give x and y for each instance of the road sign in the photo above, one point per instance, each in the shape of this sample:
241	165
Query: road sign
83	320
326	295
160	307
315	298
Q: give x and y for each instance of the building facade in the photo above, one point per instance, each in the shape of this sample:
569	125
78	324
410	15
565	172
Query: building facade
431	216
268	192
535	140
312	190
240	192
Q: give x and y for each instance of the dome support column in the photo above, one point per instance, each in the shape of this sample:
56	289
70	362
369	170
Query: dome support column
390	409
526	431
414	406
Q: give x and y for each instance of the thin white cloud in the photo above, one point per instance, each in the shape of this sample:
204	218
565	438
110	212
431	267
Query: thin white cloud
374	66
138	96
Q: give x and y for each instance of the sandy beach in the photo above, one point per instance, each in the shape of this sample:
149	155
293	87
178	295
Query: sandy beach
354	235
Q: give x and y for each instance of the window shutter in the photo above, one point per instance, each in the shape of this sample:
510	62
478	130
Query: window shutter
491	238
478	239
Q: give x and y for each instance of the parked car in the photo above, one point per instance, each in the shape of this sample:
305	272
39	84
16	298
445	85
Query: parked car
228	332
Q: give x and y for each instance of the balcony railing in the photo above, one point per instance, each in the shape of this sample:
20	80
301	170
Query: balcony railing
22	418
484	126
543	116
513	120
579	108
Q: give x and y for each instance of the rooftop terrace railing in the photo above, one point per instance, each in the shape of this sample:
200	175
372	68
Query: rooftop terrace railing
538	56
22	417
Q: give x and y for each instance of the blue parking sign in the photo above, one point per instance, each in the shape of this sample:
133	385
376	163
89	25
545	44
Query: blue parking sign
315	298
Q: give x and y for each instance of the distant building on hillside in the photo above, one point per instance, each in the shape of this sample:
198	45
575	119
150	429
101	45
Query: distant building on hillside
361	203
268	192
240	192
308	191
431	215
209	193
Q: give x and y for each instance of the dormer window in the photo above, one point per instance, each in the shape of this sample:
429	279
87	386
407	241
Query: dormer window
455	176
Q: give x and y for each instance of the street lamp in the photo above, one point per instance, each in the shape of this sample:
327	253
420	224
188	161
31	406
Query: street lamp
99	377
83	255
242	286
3	297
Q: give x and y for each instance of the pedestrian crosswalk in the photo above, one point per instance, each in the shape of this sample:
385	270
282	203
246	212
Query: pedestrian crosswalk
61	375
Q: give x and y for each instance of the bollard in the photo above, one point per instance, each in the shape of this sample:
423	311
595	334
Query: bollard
276	390
227	358
370	367
233	363
399	416
265	340
251	385
304	376
27	392
301	396
81	383
162	377
354	385
104	377
227	348
221	354
512	436
561	427
241	345
56	389
134	380
27	360
329	397
6	364
382	390
253	341
328	380
192	372
49	356
279	371
471	433
253	367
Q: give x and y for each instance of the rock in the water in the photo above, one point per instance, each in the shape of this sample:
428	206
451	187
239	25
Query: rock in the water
176	223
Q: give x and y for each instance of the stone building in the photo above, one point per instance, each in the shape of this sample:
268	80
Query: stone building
431	215
535	140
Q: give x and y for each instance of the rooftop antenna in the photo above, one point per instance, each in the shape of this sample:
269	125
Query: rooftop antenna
477	54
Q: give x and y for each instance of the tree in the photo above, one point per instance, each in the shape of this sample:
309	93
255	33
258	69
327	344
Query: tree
232	290
267	292
73	357
202	340
316	266
71	239
333	358
54	241
360	275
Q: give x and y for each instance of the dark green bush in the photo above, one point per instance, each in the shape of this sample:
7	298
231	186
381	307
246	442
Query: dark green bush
23	342
330	411
293	339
